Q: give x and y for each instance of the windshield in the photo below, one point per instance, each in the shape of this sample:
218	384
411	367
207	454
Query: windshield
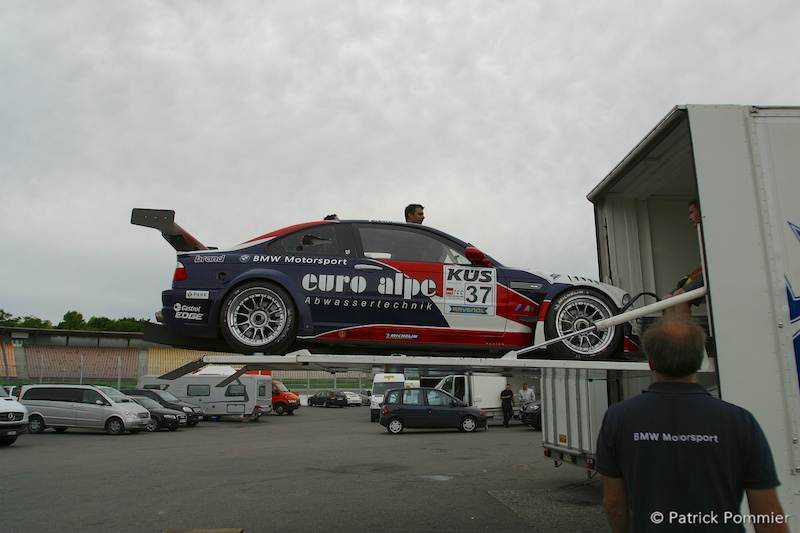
115	395
281	386
380	388
3	392
168	396
148	402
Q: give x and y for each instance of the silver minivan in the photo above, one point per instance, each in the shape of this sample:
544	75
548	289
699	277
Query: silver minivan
82	406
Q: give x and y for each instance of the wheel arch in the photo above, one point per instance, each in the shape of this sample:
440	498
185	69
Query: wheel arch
304	319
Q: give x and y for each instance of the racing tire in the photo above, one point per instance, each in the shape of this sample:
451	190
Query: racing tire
35	424
468	424
114	426
577	309
395	426
279	408
258	317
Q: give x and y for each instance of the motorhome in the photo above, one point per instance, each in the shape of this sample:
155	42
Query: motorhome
246	397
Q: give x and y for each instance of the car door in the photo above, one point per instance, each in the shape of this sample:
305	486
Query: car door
421	289
319	260
91	409
442	412
414	411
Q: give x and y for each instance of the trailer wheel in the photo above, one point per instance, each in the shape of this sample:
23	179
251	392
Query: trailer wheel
577	309
258	317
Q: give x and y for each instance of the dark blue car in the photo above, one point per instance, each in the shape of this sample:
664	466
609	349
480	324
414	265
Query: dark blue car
424	407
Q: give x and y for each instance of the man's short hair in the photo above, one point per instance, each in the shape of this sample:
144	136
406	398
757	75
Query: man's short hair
410	208
675	344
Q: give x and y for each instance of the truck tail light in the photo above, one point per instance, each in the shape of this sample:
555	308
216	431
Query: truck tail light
180	273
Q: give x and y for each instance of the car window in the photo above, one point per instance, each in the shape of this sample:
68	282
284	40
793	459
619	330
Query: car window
92	396
412	397
318	240
436	397
405	244
235	389
394	396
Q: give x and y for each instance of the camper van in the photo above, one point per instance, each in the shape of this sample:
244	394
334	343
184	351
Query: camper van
380	384
246	397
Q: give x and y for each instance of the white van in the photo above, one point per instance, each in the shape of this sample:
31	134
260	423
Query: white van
380	384
247	396
13	418
82	406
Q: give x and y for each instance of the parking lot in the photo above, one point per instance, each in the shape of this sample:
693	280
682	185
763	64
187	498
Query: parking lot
319	470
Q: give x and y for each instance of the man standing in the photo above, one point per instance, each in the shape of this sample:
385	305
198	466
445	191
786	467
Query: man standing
526	395
415	214
507	397
674	458
691	281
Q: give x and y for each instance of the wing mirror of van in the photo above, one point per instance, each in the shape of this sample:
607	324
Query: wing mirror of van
476	257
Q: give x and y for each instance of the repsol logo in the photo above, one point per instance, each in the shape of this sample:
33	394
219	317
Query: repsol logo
470	274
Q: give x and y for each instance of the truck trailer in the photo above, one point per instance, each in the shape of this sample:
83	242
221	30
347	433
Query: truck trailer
741	163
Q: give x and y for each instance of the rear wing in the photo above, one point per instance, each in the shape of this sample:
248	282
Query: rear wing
164	221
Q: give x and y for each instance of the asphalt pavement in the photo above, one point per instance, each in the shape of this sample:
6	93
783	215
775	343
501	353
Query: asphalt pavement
325	470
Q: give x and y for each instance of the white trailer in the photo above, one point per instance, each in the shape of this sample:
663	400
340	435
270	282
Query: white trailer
482	390
245	396
742	163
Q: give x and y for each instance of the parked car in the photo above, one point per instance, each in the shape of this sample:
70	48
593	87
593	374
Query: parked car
353	399
82	406
531	414
160	416
366	396
13	418
425	407
194	413
361	285
326	398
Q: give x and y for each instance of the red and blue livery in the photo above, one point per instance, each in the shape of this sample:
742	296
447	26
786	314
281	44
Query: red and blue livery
366	286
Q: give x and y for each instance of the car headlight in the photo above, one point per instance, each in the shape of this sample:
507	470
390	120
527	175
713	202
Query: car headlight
170	416
131	414
186	409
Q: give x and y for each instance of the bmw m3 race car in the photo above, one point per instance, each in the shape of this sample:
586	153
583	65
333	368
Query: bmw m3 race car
370	287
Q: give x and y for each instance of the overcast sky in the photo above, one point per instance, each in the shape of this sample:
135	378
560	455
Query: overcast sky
498	116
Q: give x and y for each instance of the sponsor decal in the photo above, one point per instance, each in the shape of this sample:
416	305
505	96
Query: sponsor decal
403	336
197	295
369	304
209	259
188	312
470	290
397	285
468	310
298	260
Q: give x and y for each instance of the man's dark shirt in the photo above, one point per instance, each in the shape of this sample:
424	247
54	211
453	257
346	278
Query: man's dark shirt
679	449
506	396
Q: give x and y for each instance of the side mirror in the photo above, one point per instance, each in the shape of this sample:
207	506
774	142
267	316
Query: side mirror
476	257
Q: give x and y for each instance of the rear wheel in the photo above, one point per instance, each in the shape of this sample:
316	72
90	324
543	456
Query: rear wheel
395	426
35	424
468	424
258	317
575	310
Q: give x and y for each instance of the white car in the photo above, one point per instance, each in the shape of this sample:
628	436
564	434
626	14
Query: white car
353	399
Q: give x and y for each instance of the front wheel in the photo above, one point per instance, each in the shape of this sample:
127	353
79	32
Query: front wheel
575	310
8	441
279	408
468	424
153	425
258	317
115	426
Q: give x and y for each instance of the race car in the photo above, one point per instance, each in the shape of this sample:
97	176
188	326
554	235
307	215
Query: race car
361	286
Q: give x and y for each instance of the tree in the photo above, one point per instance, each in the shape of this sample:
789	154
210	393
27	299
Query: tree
72	320
7	319
34	322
